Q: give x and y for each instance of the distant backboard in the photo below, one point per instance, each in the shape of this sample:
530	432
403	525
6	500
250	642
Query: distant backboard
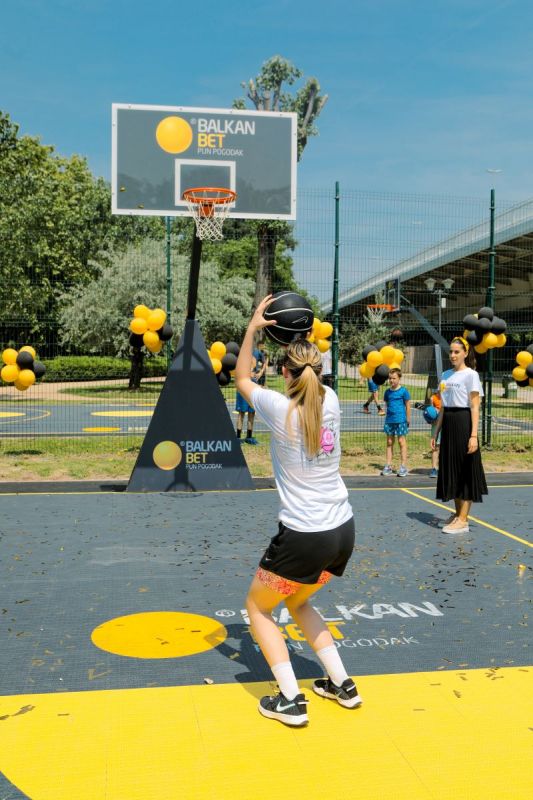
158	151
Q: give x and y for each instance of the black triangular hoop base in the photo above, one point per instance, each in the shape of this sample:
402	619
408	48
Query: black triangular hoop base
191	425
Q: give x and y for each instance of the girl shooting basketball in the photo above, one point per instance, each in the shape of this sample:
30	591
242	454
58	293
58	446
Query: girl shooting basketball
316	529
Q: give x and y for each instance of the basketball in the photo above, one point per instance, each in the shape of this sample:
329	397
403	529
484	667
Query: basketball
430	414
293	314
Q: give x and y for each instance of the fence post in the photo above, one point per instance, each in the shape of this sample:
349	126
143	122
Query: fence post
490	302
335	302
169	286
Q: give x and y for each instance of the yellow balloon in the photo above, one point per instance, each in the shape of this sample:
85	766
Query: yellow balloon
28	349
323	330
21	386
155	349
26	377
374	358
398	355
218	350
363	369
519	374
9	356
9	373
143	312
138	325
490	340
174	134
531	381
394	365
156	319
502	338
465	333
480	348
311	337
316	325
388	353
323	345
151	339
524	358
167	455
216	363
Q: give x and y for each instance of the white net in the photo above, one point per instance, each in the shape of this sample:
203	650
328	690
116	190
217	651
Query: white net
375	314
209	208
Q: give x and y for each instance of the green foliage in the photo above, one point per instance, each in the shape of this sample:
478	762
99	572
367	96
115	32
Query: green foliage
56	226
95	317
97	368
353	339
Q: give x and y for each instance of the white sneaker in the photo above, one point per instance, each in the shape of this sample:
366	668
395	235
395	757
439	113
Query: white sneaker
456	527
448	521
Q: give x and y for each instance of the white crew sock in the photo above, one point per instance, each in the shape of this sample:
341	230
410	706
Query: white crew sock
284	674
333	665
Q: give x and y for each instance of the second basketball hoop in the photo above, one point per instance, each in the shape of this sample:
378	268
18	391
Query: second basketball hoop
209	205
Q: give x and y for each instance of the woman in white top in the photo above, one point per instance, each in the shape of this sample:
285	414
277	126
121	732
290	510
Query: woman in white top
316	530
461	476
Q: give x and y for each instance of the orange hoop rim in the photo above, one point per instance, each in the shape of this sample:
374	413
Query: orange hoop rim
229	196
384	306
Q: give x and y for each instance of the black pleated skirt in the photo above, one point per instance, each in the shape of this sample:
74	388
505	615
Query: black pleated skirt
461	475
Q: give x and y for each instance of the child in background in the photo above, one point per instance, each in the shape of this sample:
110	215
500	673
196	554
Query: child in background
373	388
398	401
436	403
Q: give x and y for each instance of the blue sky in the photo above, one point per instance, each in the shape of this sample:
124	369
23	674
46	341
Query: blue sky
423	96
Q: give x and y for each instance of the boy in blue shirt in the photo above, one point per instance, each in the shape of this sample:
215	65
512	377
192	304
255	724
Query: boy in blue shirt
398	401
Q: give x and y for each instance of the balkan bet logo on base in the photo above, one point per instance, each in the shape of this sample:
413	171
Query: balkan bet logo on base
159	151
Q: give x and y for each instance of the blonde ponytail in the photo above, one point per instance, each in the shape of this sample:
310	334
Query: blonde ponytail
305	391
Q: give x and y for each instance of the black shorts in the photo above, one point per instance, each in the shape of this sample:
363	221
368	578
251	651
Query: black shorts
303	557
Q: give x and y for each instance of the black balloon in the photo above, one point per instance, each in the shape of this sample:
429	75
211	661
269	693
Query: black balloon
529	349
223	378
484	324
485	313
233	347
165	333
39	369
470	322
379	380
25	360
498	326
381	372
229	361
136	340
474	338
529	370
369	348
523	383
380	344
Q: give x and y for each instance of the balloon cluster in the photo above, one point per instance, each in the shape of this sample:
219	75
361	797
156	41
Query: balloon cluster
379	359
484	330
223	359
320	334
149	328
523	373
21	368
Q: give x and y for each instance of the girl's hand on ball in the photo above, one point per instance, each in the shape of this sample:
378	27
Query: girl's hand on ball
258	321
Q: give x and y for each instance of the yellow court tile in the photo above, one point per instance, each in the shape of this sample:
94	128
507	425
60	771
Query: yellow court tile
418	736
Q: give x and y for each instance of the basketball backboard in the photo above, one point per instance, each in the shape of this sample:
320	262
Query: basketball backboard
159	151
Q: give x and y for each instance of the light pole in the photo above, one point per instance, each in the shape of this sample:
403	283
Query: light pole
432	286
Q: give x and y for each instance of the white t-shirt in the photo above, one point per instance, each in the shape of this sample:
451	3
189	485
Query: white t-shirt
312	494
326	363
456	385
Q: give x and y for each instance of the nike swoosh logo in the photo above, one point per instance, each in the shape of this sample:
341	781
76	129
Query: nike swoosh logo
284	708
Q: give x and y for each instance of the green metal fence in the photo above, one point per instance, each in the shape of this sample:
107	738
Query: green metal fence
427	256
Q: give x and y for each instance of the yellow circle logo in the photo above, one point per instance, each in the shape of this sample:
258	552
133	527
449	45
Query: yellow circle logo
174	135
159	634
167	455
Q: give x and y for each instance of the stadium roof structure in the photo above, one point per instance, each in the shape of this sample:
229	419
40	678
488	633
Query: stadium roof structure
463	257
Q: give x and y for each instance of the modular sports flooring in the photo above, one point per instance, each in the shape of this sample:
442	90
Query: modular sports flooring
128	672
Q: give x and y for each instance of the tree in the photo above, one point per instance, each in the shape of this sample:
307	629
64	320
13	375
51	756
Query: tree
267	94
56	229
94	317
353	338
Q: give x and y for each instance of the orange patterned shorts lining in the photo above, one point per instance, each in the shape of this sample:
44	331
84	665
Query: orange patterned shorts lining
284	585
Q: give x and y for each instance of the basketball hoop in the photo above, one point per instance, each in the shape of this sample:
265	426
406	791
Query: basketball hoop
376	311
209	205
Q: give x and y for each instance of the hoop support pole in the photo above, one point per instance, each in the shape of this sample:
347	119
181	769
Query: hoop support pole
196	257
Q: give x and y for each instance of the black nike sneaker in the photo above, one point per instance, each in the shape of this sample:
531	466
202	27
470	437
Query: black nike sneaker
290	712
346	694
